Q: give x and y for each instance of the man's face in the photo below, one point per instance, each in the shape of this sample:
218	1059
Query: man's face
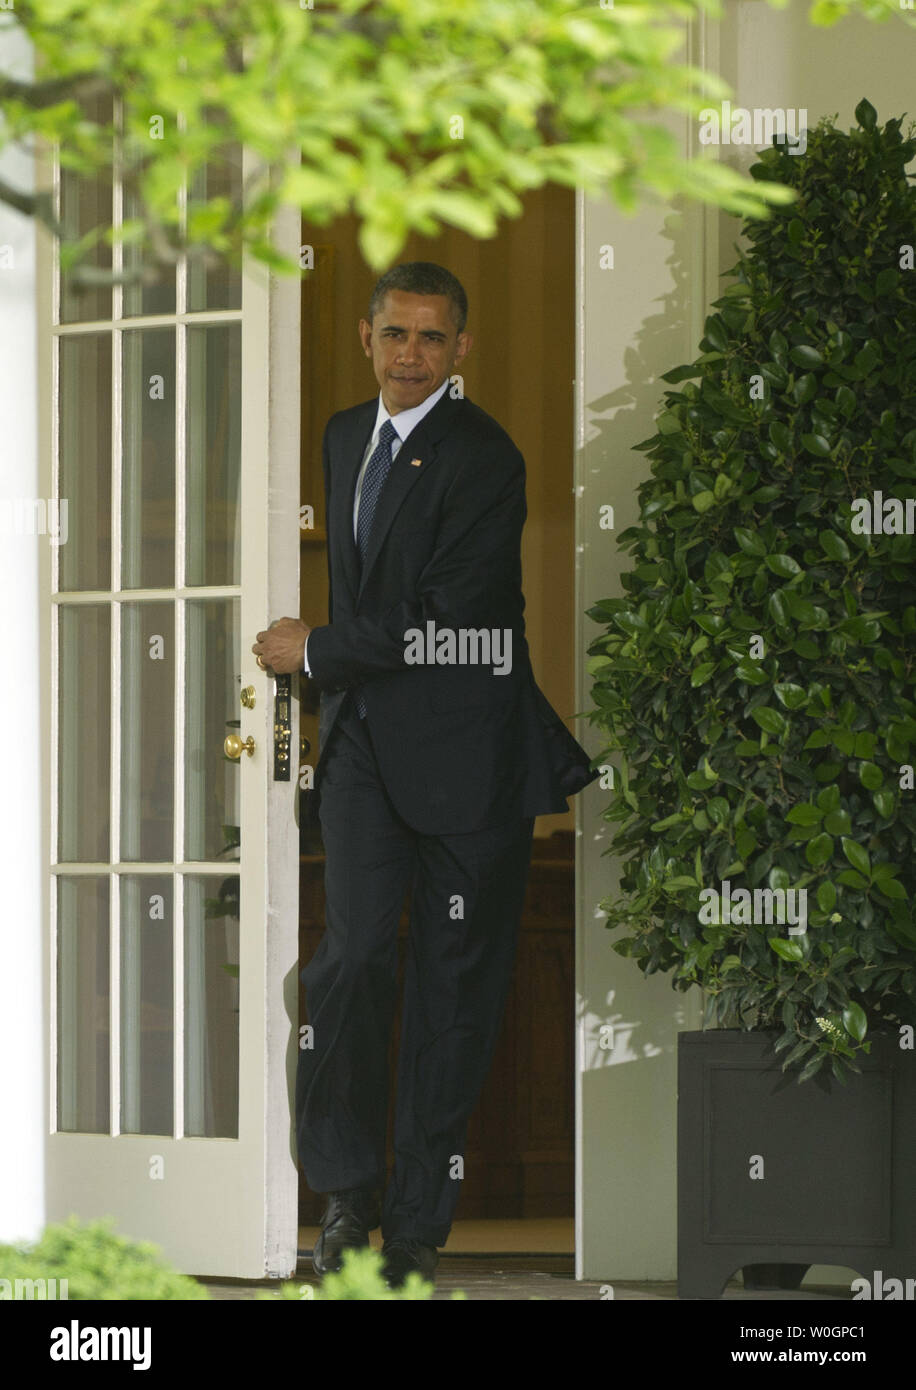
414	346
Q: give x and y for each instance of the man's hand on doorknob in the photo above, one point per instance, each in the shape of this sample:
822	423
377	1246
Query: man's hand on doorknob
282	647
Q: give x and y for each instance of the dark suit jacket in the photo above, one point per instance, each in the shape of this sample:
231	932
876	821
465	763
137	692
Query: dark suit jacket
459	747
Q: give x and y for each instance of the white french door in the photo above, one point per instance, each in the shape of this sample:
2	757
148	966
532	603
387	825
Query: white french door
173	868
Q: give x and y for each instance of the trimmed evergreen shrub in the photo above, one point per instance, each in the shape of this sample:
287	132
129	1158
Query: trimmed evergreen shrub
755	683
97	1264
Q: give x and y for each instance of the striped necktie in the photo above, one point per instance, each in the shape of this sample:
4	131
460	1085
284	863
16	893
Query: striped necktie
377	471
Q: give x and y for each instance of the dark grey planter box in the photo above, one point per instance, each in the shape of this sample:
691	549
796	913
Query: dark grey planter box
839	1184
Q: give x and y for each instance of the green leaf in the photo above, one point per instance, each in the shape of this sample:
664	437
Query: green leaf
805	388
749	670
819	850
855	1021
749	541
833	545
904	933
682	373
668	423
806	648
745	843
788	950
791	696
783	565
702	673
857	855
802	609
380	241
797	1052
846	400
769	719
805	814
816	444
716	333
826	896
702	501
463	210
812	1067
871	776
866	115
804	355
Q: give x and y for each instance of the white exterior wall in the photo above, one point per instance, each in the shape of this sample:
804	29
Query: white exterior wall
22	893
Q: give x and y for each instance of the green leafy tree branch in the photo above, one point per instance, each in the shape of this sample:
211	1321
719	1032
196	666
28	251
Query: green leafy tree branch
409	115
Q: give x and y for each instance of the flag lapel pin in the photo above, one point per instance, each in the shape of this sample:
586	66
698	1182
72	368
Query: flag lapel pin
415	463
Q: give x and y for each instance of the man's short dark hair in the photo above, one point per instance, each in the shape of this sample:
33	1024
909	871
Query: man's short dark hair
422	277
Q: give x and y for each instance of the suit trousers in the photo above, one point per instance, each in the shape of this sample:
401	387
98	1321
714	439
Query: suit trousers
467	893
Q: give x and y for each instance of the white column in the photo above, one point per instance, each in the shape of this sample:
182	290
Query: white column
636	320
22	894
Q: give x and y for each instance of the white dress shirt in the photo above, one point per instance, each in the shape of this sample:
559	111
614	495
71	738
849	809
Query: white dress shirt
403	422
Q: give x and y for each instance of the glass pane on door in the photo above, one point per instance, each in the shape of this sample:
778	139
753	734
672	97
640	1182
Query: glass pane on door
211	969
216	286
157	297
212	781
147	760
147	1007
83	997
148	459
85	211
85	460
214	454
84	733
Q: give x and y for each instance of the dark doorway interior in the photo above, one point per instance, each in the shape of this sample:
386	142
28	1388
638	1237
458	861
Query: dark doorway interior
521	290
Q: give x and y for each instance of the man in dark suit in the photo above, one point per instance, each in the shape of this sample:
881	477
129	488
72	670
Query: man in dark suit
437	752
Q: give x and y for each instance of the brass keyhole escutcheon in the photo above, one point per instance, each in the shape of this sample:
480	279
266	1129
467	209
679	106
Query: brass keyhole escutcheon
233	746
248	697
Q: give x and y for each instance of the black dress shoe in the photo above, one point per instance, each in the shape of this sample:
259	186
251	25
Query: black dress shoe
348	1218
404	1256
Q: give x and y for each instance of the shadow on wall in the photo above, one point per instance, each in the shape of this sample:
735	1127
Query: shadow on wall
612	471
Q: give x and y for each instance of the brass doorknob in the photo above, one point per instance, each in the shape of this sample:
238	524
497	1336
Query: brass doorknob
233	746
